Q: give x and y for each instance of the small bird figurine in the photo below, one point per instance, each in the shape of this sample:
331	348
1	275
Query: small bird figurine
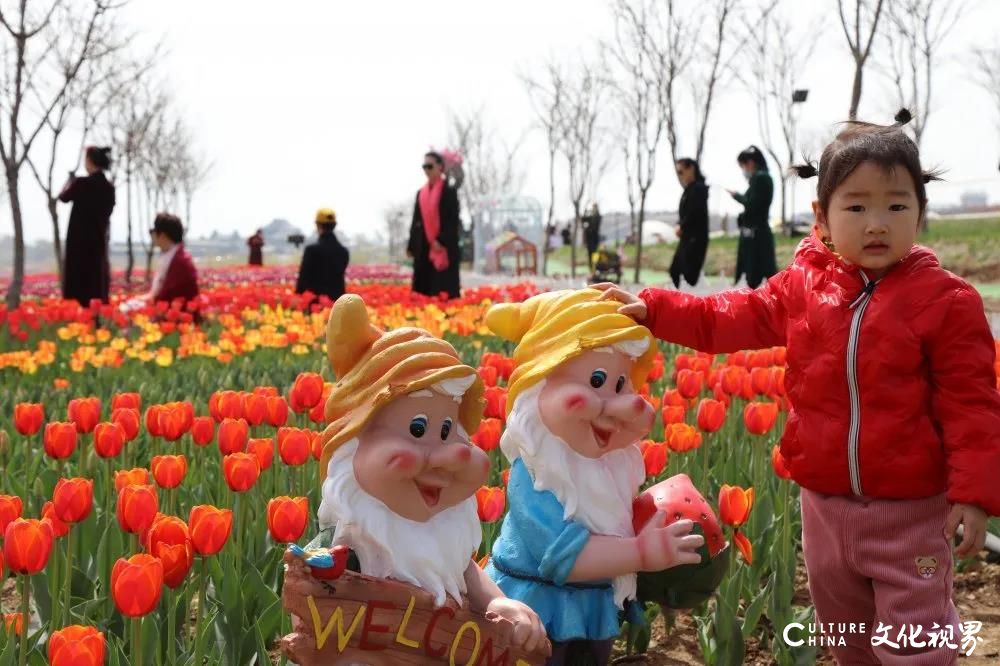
325	563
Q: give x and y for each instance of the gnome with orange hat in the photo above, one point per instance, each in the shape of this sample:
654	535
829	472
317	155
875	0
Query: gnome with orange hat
567	547
400	473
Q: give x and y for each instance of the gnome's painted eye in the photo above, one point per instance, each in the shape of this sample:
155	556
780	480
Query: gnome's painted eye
445	429
598	377
418	425
620	385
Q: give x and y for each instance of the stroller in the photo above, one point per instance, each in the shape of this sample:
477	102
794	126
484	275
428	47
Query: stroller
607	266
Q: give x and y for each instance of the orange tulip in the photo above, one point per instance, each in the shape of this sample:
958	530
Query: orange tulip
735	504
73	499
225	405
731	378
682	437
277	411
759	417
318	413
266	391
673	398
76	646
132	477
28	418
27	544
294	445
487	437
210	528
126	401
743	544
129	420
489	375
254	409
673	414
496	403
168	471
85	413
203	430
153	420
109	439
137	508
233	434
711	415
777	381
14	622
287	518
654	456
317	444
60	440
778	463
11	507
263	450
307	391
136	584
655	373
59	528
241	471
492	502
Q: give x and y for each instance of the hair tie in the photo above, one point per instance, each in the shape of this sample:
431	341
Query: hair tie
903	116
805	171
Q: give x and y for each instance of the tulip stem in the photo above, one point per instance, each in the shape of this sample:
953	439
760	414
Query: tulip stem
137	640
69	577
25	609
171	627
202	588
237	521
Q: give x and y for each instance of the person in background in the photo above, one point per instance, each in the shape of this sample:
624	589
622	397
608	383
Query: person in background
87	273
592	232
176	277
755	253
693	230
325	261
256	243
434	233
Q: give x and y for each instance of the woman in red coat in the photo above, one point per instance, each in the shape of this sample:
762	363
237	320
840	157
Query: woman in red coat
87	273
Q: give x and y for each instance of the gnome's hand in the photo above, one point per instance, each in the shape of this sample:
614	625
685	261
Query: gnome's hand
528	632
664	547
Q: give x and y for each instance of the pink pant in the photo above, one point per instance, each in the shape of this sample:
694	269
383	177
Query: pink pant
875	560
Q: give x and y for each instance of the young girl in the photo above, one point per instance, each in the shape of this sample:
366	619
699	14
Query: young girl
894	429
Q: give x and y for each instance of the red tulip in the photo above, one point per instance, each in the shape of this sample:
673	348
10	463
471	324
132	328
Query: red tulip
689	383
655	373
760	380
176	560
203	430
307	391
166	529
735	504
126	401
168	471
492	502
109	439
60	440
263	450
487	437
673	414
496	403
731	378
505	475
287	518
76	646
11	507
711	415
318	413
27	544
137	508
317	444
277	411
133	477
136	584
14	622
241	471
654	456
294	445
129	420
225	405
673	398
153	420
759	417
59	528
28	418
743	545
85	413
210	528
233	434
266	391
489	375
174	421
254	409
73	499
778	463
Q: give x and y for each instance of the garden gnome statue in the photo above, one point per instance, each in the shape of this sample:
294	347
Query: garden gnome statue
398	505
568	547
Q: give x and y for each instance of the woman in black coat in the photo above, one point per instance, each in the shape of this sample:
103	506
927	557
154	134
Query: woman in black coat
755	253
434	245
693	212
87	273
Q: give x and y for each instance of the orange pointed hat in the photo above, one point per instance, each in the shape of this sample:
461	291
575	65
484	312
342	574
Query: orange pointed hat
374	367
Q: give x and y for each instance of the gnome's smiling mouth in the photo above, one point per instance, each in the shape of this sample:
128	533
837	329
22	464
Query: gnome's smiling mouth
430	494
602	436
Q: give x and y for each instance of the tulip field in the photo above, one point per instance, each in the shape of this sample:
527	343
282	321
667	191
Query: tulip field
155	466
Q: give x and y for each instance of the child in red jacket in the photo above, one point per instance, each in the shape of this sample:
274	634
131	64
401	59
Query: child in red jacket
894	428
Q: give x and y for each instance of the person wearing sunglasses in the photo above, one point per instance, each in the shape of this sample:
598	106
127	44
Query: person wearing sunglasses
434	233
689	258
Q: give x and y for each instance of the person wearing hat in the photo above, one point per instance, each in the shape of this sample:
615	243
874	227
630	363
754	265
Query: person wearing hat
567	547
324	262
755	253
400	474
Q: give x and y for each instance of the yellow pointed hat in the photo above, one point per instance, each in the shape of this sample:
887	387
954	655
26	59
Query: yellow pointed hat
553	327
374	367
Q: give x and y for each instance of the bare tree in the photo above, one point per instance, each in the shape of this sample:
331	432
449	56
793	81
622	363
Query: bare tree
397	218
988	76
36	76
671	41
916	31
860	31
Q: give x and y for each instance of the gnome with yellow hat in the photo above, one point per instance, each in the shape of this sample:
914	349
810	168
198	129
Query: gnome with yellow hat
567	547
400	473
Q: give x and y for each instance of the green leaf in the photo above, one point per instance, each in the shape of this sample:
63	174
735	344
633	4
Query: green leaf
756	607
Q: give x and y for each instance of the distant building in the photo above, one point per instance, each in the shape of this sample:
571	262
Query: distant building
974	200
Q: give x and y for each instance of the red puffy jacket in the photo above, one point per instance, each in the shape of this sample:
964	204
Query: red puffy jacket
891	383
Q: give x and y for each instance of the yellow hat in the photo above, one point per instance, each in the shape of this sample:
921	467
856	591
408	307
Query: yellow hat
553	327
325	216
374	367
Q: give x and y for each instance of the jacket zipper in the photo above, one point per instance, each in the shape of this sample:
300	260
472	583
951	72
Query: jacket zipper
853	439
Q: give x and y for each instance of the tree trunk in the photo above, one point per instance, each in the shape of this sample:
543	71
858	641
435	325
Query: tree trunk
638	236
17	282
56	238
573	237
130	262
852	114
552	209
784	211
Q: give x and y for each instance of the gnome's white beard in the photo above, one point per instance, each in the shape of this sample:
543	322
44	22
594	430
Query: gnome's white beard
597	492
432	555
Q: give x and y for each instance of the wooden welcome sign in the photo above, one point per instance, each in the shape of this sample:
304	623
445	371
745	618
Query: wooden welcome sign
374	622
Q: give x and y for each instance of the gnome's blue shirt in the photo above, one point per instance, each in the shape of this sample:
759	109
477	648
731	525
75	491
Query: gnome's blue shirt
534	555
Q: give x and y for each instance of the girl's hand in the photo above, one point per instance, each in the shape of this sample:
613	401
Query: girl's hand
973	521
632	305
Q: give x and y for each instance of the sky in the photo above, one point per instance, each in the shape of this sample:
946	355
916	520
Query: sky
328	103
